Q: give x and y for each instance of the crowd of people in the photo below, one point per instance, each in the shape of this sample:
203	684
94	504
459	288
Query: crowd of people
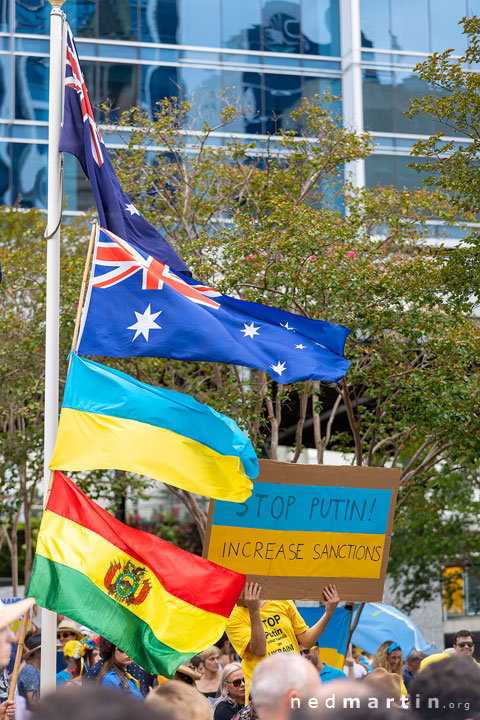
266	667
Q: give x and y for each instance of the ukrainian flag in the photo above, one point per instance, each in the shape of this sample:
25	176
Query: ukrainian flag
333	641
111	420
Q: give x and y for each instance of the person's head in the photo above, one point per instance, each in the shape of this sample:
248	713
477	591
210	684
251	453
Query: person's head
115	659
384	683
32	652
389	657
211	659
94	703
223	644
464	643
186	674
69	653
311	654
447	689
413	661
196	663
66	631
178	701
279	679
232	683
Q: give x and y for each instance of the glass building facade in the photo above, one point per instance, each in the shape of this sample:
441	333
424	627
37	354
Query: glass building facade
270	53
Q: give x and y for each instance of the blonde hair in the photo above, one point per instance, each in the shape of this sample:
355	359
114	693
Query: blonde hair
380	659
228	670
209	652
179	700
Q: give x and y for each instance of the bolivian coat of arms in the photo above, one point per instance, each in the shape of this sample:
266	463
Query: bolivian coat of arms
127	583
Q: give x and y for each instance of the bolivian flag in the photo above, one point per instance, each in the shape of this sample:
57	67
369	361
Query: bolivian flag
157	603
111	420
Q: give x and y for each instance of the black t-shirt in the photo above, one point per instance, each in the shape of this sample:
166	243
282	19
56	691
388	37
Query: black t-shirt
225	710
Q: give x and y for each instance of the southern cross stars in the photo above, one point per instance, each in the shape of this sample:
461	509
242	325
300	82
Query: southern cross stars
145	323
300	347
287	326
250	330
132	209
279	367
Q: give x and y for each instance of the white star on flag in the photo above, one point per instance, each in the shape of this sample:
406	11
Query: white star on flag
250	330
145	323
132	209
301	347
287	326
279	367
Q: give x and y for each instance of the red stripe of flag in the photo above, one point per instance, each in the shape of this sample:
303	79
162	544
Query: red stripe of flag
189	577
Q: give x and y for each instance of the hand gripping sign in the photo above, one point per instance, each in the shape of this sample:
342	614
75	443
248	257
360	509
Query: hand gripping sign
308	525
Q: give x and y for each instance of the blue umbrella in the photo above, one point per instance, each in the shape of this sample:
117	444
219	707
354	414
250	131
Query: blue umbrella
379	622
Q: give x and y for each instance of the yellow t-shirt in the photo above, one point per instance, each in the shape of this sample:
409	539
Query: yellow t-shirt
282	623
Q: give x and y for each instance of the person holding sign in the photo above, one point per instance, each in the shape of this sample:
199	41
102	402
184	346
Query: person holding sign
264	627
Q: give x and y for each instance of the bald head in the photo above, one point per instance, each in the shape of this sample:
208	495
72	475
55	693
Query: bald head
279	678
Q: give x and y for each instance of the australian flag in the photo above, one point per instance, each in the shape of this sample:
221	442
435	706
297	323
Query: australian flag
139	306
81	137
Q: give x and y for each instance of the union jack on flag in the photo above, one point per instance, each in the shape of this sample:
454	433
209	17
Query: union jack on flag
81	137
124	260
74	79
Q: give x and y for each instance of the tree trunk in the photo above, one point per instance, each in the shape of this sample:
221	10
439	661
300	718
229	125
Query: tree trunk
121	496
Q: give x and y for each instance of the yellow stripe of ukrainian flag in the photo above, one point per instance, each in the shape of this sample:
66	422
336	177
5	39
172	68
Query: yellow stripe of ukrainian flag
297	554
90	440
173	621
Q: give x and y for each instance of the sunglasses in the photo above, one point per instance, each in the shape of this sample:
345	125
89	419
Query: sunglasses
304	652
237	682
465	644
65	635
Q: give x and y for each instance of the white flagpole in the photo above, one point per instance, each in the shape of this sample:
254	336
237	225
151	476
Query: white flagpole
49	619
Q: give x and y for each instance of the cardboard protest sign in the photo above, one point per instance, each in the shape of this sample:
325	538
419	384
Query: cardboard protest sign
308	525
17	624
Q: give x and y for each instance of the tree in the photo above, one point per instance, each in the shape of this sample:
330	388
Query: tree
259	221
453	164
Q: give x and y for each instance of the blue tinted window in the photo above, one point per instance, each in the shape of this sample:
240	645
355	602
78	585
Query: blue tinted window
410	28
158	83
159	21
378	100
281	26
81	17
241	89
33	16
202	90
4	15
29	174
31	88
241	24
5	165
391	170
5	88
118	86
118	19
375	23
77	190
199	23
282	95
446	32
320	27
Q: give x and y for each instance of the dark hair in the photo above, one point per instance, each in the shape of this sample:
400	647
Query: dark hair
94	703
463	633
105	647
447	689
110	664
